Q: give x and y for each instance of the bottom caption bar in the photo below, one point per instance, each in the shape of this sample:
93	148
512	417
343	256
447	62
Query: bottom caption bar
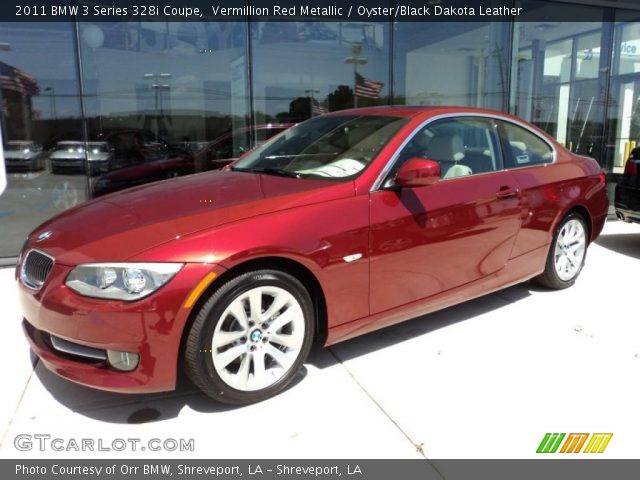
327	469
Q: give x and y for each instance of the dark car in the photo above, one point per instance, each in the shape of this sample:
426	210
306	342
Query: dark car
154	164
153	160
343	224
627	198
23	155
132	146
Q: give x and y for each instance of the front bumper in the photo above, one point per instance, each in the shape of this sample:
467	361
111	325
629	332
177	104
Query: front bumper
20	165
151	328
67	164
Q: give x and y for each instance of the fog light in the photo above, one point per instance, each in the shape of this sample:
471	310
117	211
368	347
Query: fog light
124	361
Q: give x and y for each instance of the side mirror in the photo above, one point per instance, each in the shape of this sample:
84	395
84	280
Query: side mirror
418	172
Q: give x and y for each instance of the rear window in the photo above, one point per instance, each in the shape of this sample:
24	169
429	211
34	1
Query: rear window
524	148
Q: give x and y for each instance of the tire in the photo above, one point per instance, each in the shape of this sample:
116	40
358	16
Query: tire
232	351
567	253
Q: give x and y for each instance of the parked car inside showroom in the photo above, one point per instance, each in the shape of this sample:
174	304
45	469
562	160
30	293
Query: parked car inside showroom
72	156
23	155
167	161
343	224
627	196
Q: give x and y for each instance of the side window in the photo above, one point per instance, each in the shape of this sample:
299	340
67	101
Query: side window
461	145
524	148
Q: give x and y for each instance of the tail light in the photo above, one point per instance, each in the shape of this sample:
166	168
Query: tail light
631	167
602	177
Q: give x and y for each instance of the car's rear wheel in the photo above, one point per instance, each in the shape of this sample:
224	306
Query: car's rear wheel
566	253
251	337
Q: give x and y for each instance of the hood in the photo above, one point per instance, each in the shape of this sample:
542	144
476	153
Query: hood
118	226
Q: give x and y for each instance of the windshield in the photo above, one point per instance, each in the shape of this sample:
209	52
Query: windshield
98	147
330	147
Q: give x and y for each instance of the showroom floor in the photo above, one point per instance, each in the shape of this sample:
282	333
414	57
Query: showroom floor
485	379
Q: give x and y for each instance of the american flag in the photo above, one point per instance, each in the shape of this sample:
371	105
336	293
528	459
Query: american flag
317	109
16	80
368	88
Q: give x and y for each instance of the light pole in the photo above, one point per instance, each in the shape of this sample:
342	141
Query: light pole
52	101
310	92
355	59
157	89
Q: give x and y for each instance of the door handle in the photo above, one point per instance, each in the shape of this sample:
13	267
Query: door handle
507	192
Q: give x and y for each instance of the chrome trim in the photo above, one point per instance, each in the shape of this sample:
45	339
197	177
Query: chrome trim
23	276
377	185
65	346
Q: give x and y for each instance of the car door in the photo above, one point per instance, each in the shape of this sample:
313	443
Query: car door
430	239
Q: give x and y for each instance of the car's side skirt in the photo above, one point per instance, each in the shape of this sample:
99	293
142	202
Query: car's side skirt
518	270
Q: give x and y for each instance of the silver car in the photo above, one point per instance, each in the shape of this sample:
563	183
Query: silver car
71	155
23	155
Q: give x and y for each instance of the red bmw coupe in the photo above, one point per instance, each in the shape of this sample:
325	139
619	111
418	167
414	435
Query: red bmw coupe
341	225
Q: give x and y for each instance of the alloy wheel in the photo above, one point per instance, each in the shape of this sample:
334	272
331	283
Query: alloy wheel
570	249
258	338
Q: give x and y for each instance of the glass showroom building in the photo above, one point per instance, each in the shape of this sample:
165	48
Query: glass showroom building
89	108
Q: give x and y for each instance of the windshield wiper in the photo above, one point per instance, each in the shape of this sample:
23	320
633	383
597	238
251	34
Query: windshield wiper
270	171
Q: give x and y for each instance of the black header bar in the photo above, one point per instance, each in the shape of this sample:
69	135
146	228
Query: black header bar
308	10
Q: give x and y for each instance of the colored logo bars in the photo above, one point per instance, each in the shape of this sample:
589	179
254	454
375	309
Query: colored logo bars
574	442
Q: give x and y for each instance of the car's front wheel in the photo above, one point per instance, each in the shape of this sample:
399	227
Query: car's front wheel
566	253
251	337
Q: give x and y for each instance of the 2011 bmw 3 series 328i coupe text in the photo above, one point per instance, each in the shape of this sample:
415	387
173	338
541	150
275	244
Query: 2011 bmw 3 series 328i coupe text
340	225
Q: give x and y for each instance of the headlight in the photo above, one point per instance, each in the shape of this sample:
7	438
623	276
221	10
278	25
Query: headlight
120	281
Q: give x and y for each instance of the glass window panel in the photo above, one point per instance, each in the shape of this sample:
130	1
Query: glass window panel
475	57
39	107
169	99
304	69
559	75
623	114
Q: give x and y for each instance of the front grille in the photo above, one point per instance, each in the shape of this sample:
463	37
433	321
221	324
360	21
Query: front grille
36	268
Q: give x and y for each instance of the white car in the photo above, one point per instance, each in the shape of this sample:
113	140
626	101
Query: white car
23	155
71	155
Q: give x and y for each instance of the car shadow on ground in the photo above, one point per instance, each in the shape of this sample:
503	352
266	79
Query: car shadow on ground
426	324
625	243
139	408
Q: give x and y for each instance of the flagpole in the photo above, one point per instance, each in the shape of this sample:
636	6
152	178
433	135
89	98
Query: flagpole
355	59
355	84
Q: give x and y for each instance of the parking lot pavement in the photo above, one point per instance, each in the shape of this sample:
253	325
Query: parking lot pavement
30	199
484	379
